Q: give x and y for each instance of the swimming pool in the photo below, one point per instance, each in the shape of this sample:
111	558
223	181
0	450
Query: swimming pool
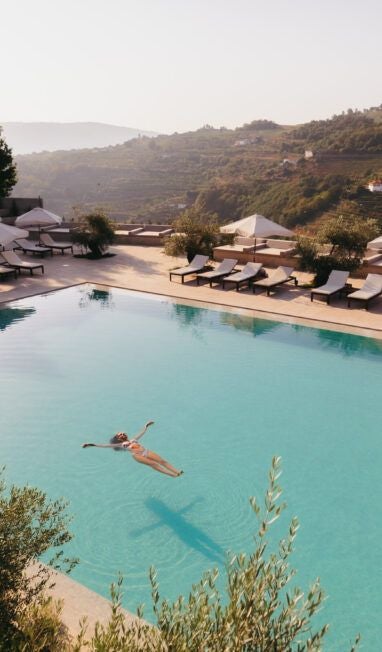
226	392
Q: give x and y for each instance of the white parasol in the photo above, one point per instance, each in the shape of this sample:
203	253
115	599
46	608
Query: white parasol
9	233
38	217
256	226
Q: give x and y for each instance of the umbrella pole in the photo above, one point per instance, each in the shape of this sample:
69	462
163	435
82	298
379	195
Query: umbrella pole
254	252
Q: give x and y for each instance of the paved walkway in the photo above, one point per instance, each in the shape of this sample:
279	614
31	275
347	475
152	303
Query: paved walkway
80	602
146	269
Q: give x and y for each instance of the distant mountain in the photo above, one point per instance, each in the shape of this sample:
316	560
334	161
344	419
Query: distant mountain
294	174
29	137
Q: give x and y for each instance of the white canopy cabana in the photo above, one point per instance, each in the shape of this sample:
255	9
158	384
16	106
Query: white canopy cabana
256	226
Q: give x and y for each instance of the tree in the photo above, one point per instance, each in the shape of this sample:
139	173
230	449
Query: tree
8	175
95	234
261	124
347	238
30	525
197	233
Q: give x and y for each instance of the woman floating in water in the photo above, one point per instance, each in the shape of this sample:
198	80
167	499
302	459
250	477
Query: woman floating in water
120	441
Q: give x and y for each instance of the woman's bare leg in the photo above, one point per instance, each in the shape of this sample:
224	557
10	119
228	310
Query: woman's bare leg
156	458
154	465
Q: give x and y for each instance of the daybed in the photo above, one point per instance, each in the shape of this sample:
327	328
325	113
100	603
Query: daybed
276	248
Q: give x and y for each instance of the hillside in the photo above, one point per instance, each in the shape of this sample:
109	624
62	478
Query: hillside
259	167
28	137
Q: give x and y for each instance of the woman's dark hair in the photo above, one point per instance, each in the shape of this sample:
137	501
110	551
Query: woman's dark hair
115	440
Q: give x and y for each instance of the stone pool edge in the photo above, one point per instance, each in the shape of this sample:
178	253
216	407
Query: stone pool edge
260	313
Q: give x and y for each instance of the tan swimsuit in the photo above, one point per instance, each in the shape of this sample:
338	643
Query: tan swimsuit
136	448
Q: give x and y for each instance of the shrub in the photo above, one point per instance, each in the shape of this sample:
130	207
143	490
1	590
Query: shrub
197	233
95	234
41	629
30	525
347	237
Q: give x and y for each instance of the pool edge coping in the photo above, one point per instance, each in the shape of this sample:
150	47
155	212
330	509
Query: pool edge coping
309	322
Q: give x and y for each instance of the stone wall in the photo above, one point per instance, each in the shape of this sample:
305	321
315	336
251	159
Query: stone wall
12	207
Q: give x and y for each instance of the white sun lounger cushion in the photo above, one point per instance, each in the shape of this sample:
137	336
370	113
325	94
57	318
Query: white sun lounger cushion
225	267
280	275
249	271
371	288
197	263
336	281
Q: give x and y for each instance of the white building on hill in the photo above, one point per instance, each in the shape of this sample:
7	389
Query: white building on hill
375	185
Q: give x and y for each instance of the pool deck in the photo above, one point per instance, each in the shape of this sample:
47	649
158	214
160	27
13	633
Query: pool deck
80	602
146	269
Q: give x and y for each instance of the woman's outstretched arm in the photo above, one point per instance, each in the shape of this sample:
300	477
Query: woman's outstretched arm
103	445
142	432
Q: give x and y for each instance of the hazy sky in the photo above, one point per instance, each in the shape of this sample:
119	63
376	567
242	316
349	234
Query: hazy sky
174	65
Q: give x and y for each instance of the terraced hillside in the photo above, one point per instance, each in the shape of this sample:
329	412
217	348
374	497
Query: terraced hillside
259	167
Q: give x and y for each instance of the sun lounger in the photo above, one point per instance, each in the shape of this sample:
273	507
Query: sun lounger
216	275
48	241
27	246
245	277
280	275
197	264
12	260
6	271
371	288
335	285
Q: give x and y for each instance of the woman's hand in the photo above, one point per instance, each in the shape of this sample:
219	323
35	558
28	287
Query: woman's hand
86	445
149	423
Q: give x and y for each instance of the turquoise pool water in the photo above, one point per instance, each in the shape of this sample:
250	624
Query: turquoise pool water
226	392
